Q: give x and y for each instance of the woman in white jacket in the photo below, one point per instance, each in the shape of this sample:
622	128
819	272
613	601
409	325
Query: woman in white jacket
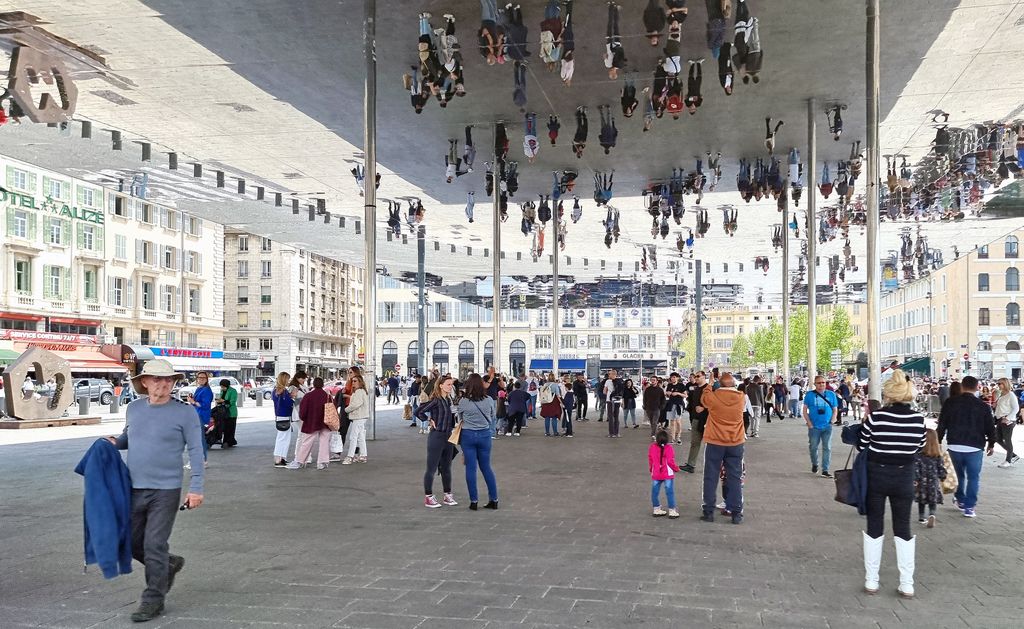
358	411
1007	408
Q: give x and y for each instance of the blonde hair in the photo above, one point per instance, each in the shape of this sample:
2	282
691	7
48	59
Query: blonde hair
283	379
1005	382
931	444
898	388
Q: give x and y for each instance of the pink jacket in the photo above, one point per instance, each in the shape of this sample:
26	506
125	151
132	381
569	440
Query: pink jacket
662	467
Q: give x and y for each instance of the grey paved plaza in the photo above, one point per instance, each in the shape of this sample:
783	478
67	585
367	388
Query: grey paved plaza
573	545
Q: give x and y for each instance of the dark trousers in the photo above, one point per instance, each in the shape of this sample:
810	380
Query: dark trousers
567	421
229	431
1004	437
613	417
439	459
895	482
732	457
514	422
153	513
581	407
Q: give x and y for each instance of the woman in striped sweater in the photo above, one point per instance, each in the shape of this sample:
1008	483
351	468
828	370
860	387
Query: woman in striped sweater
892	435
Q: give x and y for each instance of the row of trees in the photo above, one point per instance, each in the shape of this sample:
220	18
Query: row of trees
764	345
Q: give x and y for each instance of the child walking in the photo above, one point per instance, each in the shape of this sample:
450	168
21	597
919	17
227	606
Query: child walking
929	472
662	462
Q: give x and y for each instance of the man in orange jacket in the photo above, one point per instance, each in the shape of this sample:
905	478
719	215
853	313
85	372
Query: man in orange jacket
723	439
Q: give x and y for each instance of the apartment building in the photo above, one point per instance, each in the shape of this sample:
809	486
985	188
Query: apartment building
102	266
290	308
963	319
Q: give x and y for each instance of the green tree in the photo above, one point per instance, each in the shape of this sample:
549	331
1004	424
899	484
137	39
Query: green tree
688	345
740	357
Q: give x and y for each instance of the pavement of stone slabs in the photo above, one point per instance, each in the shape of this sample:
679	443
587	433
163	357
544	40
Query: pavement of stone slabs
572	545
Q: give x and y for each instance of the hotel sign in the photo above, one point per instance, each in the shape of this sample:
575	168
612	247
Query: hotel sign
53	207
178	352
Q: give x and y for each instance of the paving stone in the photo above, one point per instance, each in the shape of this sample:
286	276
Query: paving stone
542	560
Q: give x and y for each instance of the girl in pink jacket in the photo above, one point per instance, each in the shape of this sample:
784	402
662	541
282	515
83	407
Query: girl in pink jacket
661	459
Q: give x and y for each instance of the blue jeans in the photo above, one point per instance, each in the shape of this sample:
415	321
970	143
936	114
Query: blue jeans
821	436
968	476
715	457
626	414
670	492
531	408
551	425
476	447
794	408
488	10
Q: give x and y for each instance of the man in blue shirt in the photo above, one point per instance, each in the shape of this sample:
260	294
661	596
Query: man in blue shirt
820	409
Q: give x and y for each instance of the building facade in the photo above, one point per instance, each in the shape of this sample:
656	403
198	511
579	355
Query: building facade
459	337
964	318
721	327
288	309
83	260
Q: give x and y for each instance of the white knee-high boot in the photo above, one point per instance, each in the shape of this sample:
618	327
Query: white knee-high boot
905	561
872	561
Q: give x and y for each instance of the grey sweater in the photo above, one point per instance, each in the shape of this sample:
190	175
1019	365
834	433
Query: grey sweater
476	415
155	436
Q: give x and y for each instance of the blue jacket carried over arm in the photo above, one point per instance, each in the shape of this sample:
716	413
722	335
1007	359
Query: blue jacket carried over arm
107	509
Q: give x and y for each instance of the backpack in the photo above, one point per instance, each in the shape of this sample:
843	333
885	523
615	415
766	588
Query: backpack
547	394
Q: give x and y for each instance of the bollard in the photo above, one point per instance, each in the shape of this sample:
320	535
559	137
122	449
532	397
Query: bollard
259	399
115	405
83	405
241	398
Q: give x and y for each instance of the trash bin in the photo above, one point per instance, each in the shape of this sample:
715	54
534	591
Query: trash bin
83	405
115	404
259	399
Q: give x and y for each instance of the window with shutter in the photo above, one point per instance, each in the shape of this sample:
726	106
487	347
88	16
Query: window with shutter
177	299
47	285
130	300
138	251
110	292
31	232
66	283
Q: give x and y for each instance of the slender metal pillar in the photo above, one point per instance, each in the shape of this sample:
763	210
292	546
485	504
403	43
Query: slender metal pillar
496	273
421	294
556	321
811	190
698	300
871	191
370	204
812	242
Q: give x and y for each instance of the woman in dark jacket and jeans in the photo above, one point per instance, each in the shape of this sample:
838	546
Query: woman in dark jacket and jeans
476	411
892	435
439	452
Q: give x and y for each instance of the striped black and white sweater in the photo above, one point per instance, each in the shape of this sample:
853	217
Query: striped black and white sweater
893	435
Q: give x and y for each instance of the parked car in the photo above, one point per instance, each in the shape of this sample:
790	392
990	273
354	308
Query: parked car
190	388
264	389
98	389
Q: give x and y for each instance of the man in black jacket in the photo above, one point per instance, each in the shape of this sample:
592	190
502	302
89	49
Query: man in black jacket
698	418
580	390
968	426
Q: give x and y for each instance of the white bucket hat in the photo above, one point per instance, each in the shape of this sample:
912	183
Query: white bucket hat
157	367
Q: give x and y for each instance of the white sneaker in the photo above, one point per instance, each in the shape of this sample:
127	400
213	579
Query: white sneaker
508	434
658	511
347	461
294	465
673	513
1005	464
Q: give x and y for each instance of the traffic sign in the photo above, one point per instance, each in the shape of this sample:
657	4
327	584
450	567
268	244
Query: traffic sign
966	356
398	367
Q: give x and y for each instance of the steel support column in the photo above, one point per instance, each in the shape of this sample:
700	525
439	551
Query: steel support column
555	320
698	293
370	204
871	192
812	241
421	295
496	270
785	281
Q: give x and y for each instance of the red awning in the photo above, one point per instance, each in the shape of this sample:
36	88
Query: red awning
90	322
84	361
17	316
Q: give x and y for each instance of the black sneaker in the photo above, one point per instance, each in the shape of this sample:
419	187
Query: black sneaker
174	566
280	463
688	468
814	469
737	518
707	517
825	474
147	611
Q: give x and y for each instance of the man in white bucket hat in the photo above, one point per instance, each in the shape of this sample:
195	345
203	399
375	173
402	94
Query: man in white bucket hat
157	428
